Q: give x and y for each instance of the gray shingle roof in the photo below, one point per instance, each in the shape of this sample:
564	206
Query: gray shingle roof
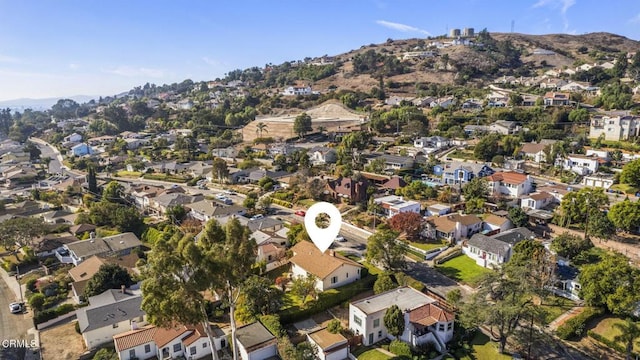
95	317
253	335
405	297
500	243
98	246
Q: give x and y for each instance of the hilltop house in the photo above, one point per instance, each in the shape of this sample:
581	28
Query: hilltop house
331	269
615	128
425	320
495	250
556	99
297	90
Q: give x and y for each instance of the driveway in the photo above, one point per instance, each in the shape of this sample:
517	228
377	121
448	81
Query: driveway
434	280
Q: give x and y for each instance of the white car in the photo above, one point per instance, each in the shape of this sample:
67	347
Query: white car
15	308
340	238
257	217
230	192
221	196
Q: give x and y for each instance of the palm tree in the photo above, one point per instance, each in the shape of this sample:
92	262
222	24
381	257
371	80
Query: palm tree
261	127
629	332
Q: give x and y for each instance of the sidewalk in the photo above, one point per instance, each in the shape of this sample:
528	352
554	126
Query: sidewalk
12	283
564	317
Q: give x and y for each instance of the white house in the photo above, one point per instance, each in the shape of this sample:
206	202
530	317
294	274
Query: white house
151	342
255	342
329	346
452	227
495	250
537	200
432	142
331	270
323	155
393	205
297	90
598	180
534	151
73	138
496	224
602	154
425	320
110	313
581	164
206	210
615	128
511	184
438	209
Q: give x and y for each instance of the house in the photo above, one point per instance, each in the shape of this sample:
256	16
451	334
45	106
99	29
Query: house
552	84
425	320
495	250
272	253
256	342
82	273
581	164
614	128
461	172
47	245
443	102
537	201
494	224
556	99
505	127
534	151
161	203
101	140
511	184
297	90
394	184
110	313
81	149
529	100
323	155
81	229
206	210
134	143
452	227
73	138
432	142
393	205
348	188
77	252
59	217
598	180
567	283
331	269
395	162
178	341
329	346
438	209
557	191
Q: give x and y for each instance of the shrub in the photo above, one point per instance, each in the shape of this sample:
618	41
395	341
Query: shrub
574	328
400	348
44	316
31	285
36	301
334	326
272	323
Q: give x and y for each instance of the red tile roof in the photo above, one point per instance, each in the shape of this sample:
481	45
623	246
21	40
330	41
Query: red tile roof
430	314
133	338
509	177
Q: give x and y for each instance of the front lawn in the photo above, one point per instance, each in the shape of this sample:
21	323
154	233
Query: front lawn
425	246
481	348
606	329
373	354
625	188
463	269
554	306
131	174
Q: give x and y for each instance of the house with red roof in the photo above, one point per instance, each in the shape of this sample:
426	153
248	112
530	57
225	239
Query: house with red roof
509	183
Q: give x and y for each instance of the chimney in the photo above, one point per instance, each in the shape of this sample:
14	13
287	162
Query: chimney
123	289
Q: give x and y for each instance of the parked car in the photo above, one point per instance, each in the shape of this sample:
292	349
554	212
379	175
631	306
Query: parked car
230	192
340	238
225	200
257	217
16	307
301	213
220	196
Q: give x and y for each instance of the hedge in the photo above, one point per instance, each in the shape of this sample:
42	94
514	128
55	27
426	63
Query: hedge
44	316
612	344
574	328
400	348
328	299
281	203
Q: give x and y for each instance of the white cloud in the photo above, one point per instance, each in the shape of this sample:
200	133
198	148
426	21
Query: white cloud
563	5
73	66
130	71
402	27
211	62
8	59
635	19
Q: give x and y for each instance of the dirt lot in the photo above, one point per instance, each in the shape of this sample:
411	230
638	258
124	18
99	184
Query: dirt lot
61	342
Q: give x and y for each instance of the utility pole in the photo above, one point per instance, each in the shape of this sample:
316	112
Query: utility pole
18	281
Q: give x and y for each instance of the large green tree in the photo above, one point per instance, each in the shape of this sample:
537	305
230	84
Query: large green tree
113	192
260	297
302	124
518	216
625	215
394	320
631	173
20	231
477	188
219	169
570	246
384	249
577	206
109	276
304	287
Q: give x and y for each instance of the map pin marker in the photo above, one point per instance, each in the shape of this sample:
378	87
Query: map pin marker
322	238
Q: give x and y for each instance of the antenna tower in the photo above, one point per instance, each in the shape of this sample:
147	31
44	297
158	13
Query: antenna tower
513	25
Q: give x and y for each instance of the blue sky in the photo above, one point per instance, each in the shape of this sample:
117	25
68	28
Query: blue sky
79	47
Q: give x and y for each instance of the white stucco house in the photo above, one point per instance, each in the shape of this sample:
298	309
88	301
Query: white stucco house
393	205
581	164
598	180
255	342
495	250
425	320
331	269
510	184
538	200
452	227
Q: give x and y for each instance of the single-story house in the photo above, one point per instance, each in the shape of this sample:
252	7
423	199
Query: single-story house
495	250
256	342
328	345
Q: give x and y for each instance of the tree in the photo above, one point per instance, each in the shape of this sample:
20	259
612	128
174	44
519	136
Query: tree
259	297
265	203
33	150
625	215
113	192
20	231
109	276
518	216
631	173
382	248
383	283
394	320
304	287
612	283
302	124
334	326
570	246
515	99
477	188
629	332
577	206
487	147
260	128
579	115
36	301
219	169
92	181
600	226
408	222
106	354
454	296
176	213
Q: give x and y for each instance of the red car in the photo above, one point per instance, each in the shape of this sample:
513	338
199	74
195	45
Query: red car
300	213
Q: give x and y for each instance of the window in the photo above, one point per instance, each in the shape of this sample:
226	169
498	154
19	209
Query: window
358	271
204	345
176	347
347	275
440	327
376	323
147	348
132	353
379	333
115	326
192	350
449	326
334	279
357	320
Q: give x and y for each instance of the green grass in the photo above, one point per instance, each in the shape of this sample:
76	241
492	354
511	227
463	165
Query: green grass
625	188
425	246
605	329
463	269
415	257
306	202
481	348
373	354
461	154
554	306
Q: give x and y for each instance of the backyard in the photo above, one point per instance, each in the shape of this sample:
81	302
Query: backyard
373	354
481	348
606	329
463	269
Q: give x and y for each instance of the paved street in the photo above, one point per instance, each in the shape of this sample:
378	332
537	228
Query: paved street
12	326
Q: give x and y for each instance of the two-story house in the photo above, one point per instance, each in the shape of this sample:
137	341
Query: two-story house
393	205
581	164
495	250
331	269
452	227
425	320
614	128
511	184
323	155
348	188
459	173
